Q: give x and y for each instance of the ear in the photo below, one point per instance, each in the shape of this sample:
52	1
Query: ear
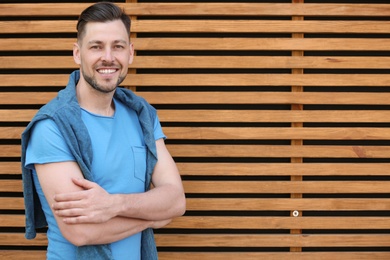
131	50
76	53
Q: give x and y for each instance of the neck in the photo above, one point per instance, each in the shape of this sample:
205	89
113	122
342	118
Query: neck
95	101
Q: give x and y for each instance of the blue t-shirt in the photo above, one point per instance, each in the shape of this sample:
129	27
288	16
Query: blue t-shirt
119	165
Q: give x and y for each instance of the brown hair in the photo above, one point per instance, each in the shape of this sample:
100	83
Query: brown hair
102	12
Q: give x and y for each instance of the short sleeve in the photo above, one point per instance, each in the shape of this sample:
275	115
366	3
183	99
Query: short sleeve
158	132
46	145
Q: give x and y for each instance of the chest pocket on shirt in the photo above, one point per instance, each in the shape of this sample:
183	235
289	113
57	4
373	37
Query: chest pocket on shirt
139	153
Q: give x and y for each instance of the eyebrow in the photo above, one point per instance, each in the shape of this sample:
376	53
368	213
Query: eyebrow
100	42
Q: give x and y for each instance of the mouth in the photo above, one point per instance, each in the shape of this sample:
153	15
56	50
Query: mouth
106	71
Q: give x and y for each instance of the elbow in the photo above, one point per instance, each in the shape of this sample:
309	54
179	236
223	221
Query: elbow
181	206
76	236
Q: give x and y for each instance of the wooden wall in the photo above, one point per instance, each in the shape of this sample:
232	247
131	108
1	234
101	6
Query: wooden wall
277	114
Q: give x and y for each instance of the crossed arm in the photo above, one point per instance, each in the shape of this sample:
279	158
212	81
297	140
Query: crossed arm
87	214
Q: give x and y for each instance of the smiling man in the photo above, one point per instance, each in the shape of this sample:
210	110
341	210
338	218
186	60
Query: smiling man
90	155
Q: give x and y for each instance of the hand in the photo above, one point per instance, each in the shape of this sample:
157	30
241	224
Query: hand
91	205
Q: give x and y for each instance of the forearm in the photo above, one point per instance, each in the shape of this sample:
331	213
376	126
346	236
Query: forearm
164	202
107	232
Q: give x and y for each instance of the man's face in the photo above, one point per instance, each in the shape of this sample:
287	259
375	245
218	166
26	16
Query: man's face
104	54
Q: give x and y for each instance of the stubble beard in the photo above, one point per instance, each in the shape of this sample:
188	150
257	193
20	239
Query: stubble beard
95	85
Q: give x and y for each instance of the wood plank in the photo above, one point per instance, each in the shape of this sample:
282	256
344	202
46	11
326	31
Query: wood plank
258	26
227	223
11	186
11	132
234	80
250	116
11	203
256	98
22	254
254	133
14	220
293	240
10	168
259	187
242	222
262	116
283	169
223	44
17	115
230	62
276	133
186	97
204	26
313	80
250	204
254	151
285	187
270	44
13	239
204	9
223	255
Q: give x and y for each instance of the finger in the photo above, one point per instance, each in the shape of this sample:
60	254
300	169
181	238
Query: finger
76	220
83	183
71	196
70	213
66	205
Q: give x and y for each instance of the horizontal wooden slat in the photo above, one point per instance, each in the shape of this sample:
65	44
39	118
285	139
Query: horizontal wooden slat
205	26
256	98
18	239
242	222
38	255
252	116
11	203
247	240
285	187
10	168
274	44
323	80
226	223
258	204
309	151
259	187
234	62
17	115
22	254
185	97
11	132
11	186
283	169
248	204
204	9
223	255
260	169
277	133
253	133
261	116
216	44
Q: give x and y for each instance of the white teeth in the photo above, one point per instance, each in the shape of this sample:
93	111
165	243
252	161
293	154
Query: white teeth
106	71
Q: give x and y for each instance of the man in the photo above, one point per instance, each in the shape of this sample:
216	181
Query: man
91	154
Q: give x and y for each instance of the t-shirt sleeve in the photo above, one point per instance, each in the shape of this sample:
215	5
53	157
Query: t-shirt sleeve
158	132
46	145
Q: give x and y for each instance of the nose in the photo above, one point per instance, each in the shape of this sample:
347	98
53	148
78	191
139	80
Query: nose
108	55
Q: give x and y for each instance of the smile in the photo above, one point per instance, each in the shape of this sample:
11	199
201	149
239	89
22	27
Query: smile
106	71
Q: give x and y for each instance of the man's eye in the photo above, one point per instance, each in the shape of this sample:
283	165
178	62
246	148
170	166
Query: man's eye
119	47
95	47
